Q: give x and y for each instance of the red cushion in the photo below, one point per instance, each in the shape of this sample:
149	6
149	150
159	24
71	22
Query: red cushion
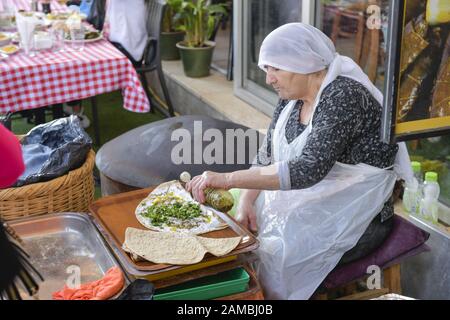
404	241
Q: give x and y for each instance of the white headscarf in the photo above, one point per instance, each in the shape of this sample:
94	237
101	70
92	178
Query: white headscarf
302	48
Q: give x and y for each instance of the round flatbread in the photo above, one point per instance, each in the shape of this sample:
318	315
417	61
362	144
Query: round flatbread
175	248
167	194
164	247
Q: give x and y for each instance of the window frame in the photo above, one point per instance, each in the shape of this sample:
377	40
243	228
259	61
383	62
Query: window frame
392	86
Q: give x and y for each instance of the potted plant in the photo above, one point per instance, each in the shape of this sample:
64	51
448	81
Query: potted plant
171	33
199	19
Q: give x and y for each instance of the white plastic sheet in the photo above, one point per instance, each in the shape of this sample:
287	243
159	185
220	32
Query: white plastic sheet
304	233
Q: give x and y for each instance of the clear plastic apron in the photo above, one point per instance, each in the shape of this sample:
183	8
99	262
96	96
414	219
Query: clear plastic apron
304	233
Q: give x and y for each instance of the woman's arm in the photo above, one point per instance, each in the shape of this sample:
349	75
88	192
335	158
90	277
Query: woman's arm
261	178
245	212
336	122
249	195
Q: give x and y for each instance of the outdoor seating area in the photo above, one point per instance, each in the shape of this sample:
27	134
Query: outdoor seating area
224	150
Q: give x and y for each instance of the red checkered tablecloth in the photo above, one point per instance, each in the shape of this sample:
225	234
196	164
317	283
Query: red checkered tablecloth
25	5
55	77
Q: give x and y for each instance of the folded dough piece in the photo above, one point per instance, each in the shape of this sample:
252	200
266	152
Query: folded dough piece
175	248
219	246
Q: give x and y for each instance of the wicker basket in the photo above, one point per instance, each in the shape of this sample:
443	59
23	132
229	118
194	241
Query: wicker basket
73	192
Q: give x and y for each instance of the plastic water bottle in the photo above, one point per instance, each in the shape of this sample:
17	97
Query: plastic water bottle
429	202
411	196
417	170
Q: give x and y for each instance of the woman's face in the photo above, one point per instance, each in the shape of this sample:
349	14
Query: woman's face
288	85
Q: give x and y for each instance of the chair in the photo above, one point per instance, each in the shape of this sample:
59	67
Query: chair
355	29
406	240
367	41
97	14
370	55
152	59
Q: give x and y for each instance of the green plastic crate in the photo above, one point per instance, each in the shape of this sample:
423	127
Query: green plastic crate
219	285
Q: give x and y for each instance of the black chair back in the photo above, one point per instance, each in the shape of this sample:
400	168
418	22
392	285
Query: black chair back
155	15
97	14
152	58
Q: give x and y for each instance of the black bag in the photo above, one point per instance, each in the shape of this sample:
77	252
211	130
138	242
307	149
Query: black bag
52	149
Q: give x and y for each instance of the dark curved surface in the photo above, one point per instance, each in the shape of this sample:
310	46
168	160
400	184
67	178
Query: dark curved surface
142	156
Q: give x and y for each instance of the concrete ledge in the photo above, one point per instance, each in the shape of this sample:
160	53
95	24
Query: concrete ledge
212	96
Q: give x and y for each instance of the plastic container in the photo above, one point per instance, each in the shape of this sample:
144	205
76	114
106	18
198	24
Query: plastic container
413	189
411	196
236	193
417	170
429	202
219	285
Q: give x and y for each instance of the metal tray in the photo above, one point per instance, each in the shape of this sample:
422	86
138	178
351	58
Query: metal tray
113	214
393	296
61	245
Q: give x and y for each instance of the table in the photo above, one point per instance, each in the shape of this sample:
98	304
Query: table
25	5
55	77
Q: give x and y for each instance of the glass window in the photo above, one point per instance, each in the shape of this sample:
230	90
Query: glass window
265	16
422	95
221	60
255	20
358	29
434	155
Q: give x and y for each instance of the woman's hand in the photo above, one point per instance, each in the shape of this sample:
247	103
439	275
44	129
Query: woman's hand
246	215
208	179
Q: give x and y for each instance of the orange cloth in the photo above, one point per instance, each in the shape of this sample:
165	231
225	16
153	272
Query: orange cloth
102	289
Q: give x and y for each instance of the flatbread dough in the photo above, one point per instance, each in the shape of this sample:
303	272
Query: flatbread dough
211	221
175	248
219	246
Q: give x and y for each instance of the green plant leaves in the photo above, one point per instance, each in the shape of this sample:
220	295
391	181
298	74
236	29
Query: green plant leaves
198	20
218	9
172	16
